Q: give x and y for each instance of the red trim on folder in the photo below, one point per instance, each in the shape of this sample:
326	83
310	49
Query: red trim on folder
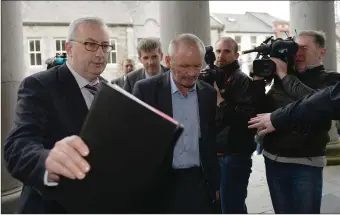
164	115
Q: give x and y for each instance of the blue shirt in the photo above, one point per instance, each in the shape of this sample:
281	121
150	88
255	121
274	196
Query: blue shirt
185	110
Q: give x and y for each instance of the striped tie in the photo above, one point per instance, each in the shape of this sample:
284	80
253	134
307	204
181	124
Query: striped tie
92	89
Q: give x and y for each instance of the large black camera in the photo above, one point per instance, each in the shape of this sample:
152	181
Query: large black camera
211	73
59	59
283	49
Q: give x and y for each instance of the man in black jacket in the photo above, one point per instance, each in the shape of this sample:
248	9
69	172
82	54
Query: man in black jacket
294	156
150	55
51	108
321	105
240	101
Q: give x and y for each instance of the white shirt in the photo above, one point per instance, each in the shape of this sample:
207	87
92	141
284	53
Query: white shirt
88	97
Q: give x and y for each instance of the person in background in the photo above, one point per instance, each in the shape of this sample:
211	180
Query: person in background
128	65
235	142
150	55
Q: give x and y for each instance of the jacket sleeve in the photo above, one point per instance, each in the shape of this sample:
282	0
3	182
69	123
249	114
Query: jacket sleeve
215	163
211	165
244	101
127	85
324	104
24	151
295	88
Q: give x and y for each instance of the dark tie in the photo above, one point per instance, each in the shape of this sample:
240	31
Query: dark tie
92	88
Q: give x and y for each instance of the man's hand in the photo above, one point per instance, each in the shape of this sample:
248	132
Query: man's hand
219	96
66	159
281	67
263	123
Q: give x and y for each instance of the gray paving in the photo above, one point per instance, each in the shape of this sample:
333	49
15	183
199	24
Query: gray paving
259	202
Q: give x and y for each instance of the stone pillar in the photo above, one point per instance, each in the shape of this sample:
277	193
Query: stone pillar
12	72
316	15
177	17
131	43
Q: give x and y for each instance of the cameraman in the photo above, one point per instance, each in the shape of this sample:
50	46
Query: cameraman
294	156
240	100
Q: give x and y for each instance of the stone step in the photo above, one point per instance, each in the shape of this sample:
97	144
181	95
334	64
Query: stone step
331	161
333	149
333	154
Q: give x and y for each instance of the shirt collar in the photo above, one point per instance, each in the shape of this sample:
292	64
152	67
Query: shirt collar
174	88
82	82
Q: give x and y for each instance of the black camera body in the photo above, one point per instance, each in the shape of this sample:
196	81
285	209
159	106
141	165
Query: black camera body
211	73
283	49
59	59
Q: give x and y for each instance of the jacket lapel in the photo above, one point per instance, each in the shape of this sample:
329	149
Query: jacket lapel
201	108
163	99
72	99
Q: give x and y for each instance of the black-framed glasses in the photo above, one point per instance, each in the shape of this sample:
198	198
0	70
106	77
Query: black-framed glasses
93	47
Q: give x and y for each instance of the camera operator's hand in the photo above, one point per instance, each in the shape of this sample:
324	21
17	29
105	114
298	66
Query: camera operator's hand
220	99
281	67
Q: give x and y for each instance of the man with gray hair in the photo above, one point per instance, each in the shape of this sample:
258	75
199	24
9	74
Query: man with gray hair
150	55
189	182
52	105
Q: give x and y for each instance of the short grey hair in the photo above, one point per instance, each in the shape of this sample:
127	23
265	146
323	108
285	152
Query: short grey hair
73	27
319	37
188	39
148	45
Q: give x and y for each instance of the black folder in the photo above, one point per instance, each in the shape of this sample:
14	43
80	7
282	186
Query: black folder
128	142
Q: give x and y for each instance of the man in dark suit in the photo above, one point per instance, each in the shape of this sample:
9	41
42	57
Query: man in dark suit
128	65
150	55
192	184
51	108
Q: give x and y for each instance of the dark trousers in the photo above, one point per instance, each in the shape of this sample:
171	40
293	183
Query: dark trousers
294	188
235	173
188	193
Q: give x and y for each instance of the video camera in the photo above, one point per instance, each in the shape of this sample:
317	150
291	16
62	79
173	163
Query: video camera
211	73
59	59
283	49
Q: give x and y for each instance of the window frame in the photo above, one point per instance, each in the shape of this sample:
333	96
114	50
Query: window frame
239	44
55	45
34	52
113	50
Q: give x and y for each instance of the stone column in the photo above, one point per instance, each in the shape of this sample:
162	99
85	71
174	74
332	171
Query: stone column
177	17
12	72
131	43
316	15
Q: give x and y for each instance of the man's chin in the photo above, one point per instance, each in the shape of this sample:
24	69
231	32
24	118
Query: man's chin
152	72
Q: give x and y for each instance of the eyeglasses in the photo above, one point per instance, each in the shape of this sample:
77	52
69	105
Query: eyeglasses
93	47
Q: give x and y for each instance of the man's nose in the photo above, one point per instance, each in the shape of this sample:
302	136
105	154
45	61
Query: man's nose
100	51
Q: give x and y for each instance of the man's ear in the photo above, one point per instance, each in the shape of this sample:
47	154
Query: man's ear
322	53
68	47
167	61
237	55
161	55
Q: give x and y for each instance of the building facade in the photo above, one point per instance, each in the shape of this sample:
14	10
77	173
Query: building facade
45	25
